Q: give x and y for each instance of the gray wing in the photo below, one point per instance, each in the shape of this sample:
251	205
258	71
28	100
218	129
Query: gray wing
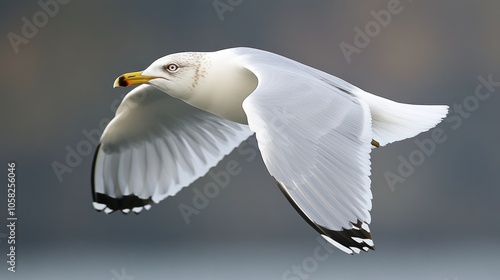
155	146
314	137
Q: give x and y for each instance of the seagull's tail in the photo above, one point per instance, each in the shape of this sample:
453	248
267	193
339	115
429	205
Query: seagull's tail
393	121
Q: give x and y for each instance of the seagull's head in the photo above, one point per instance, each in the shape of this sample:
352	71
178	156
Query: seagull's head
175	74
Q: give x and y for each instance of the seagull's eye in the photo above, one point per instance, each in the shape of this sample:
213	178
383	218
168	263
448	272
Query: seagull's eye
172	68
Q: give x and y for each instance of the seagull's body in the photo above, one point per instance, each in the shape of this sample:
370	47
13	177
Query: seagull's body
314	131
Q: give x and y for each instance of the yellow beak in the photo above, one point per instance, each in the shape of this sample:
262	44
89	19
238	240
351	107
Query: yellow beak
133	78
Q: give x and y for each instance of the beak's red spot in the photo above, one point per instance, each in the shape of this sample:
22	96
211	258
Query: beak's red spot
122	82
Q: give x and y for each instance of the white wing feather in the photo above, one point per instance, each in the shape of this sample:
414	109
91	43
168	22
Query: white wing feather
155	146
315	132
314	137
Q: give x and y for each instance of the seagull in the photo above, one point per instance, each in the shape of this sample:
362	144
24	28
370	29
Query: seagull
314	131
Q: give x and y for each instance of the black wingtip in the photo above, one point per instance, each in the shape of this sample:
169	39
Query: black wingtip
356	237
126	203
108	204
92	177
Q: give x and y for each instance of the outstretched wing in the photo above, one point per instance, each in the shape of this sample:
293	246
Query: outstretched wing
155	146
314	136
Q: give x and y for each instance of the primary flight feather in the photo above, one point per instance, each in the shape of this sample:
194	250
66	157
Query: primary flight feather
314	131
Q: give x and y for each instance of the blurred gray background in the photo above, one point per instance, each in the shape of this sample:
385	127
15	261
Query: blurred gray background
440	223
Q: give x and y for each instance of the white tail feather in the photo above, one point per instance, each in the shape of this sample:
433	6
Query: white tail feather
393	121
